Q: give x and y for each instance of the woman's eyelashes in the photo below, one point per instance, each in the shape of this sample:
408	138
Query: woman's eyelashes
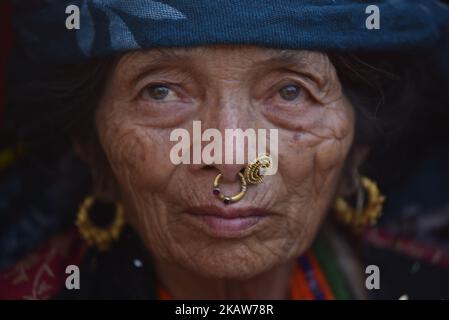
289	92
289	95
160	93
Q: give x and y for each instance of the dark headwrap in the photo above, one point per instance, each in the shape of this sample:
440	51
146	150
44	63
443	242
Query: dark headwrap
110	26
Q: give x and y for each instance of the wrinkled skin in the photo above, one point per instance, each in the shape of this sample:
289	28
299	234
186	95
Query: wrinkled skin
225	87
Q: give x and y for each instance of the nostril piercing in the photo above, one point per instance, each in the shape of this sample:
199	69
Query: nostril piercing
226	199
253	173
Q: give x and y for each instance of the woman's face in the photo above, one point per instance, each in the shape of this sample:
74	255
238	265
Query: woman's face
172	206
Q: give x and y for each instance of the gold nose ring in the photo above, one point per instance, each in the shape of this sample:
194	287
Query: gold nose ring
227	200
253	174
256	170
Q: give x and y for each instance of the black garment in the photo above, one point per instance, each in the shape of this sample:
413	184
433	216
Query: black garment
124	272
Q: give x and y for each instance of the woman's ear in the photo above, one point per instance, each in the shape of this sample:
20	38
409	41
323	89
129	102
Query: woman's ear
350	177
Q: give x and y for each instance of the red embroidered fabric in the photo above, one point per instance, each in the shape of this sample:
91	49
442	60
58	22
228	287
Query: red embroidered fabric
41	274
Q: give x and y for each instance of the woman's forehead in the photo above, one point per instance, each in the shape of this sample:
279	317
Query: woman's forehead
226	56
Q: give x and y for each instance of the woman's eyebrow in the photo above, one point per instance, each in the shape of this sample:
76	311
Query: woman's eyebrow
164	59
157	60
275	57
311	64
288	57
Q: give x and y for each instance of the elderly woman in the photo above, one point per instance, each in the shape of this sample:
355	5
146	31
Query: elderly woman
98	88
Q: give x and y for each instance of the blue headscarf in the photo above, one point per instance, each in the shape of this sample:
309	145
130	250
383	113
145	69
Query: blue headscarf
111	26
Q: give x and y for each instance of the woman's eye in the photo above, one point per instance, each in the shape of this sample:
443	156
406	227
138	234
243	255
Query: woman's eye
157	92
290	92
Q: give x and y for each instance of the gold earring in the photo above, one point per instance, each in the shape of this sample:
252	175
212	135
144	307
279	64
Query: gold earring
98	236
367	212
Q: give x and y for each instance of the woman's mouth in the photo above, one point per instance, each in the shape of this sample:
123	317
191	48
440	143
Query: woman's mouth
226	223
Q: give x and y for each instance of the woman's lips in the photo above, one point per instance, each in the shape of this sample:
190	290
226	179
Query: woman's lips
230	224
227	223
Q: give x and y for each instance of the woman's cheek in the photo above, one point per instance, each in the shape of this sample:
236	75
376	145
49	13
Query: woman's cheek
331	154
316	154
138	155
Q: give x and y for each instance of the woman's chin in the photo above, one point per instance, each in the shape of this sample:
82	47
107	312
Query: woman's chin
228	253
230	269
231	260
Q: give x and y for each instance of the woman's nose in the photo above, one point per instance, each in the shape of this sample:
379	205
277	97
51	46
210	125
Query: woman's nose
230	172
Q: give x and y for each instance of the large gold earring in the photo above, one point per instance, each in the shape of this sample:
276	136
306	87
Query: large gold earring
368	209
99	236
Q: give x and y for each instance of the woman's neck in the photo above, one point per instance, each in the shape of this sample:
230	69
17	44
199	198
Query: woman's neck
183	284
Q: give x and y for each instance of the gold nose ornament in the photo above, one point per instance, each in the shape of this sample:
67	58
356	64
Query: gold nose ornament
253	174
